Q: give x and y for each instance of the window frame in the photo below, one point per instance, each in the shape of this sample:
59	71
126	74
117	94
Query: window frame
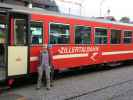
120	36
127	37
3	35
14	32
75	34
42	32
59	23
107	35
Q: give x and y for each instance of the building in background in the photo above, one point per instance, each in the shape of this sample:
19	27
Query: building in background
16	2
72	7
44	4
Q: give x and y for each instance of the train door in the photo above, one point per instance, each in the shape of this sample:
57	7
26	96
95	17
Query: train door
3	28
18	48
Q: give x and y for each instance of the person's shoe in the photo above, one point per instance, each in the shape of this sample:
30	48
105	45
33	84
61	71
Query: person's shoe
48	88
37	88
51	85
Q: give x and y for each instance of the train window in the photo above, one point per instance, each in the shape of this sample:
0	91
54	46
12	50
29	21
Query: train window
100	36
115	36
82	35
36	30
20	32
127	37
2	32
59	33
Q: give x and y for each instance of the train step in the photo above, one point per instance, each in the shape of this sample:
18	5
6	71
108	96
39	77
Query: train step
4	88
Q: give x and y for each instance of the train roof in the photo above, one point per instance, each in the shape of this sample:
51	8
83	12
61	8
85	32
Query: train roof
21	9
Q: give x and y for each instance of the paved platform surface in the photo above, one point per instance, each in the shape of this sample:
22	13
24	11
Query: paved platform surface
125	96
11	96
114	84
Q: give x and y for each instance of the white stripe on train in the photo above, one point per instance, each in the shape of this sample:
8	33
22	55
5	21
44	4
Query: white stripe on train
86	55
70	56
117	52
35	58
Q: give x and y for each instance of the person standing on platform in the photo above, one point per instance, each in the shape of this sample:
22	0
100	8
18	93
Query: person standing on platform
45	68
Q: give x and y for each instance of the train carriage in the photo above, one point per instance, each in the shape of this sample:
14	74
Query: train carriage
75	41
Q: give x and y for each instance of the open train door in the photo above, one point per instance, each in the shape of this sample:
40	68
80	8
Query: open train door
3	43
17	50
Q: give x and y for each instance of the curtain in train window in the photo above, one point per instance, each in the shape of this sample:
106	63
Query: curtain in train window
36	31
127	37
82	35
59	33
100	36
115	36
20	32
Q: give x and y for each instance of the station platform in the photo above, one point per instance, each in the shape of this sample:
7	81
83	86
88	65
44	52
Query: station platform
11	96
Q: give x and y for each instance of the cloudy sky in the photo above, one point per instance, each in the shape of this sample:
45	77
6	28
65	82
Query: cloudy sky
118	8
92	8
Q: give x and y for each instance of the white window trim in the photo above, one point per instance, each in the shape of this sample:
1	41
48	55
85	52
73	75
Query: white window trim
75	33
42	31
100	35
58	23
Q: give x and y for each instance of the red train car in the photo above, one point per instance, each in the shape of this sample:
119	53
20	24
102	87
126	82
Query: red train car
76	41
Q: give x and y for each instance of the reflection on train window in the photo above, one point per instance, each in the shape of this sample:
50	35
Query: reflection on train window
100	36
36	30
2	32
127	37
115	36
20	32
59	33
82	35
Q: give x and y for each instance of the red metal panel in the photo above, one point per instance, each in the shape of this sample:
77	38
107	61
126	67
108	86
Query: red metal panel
109	36
34	58
36	49
72	31
12	31
70	56
95	55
